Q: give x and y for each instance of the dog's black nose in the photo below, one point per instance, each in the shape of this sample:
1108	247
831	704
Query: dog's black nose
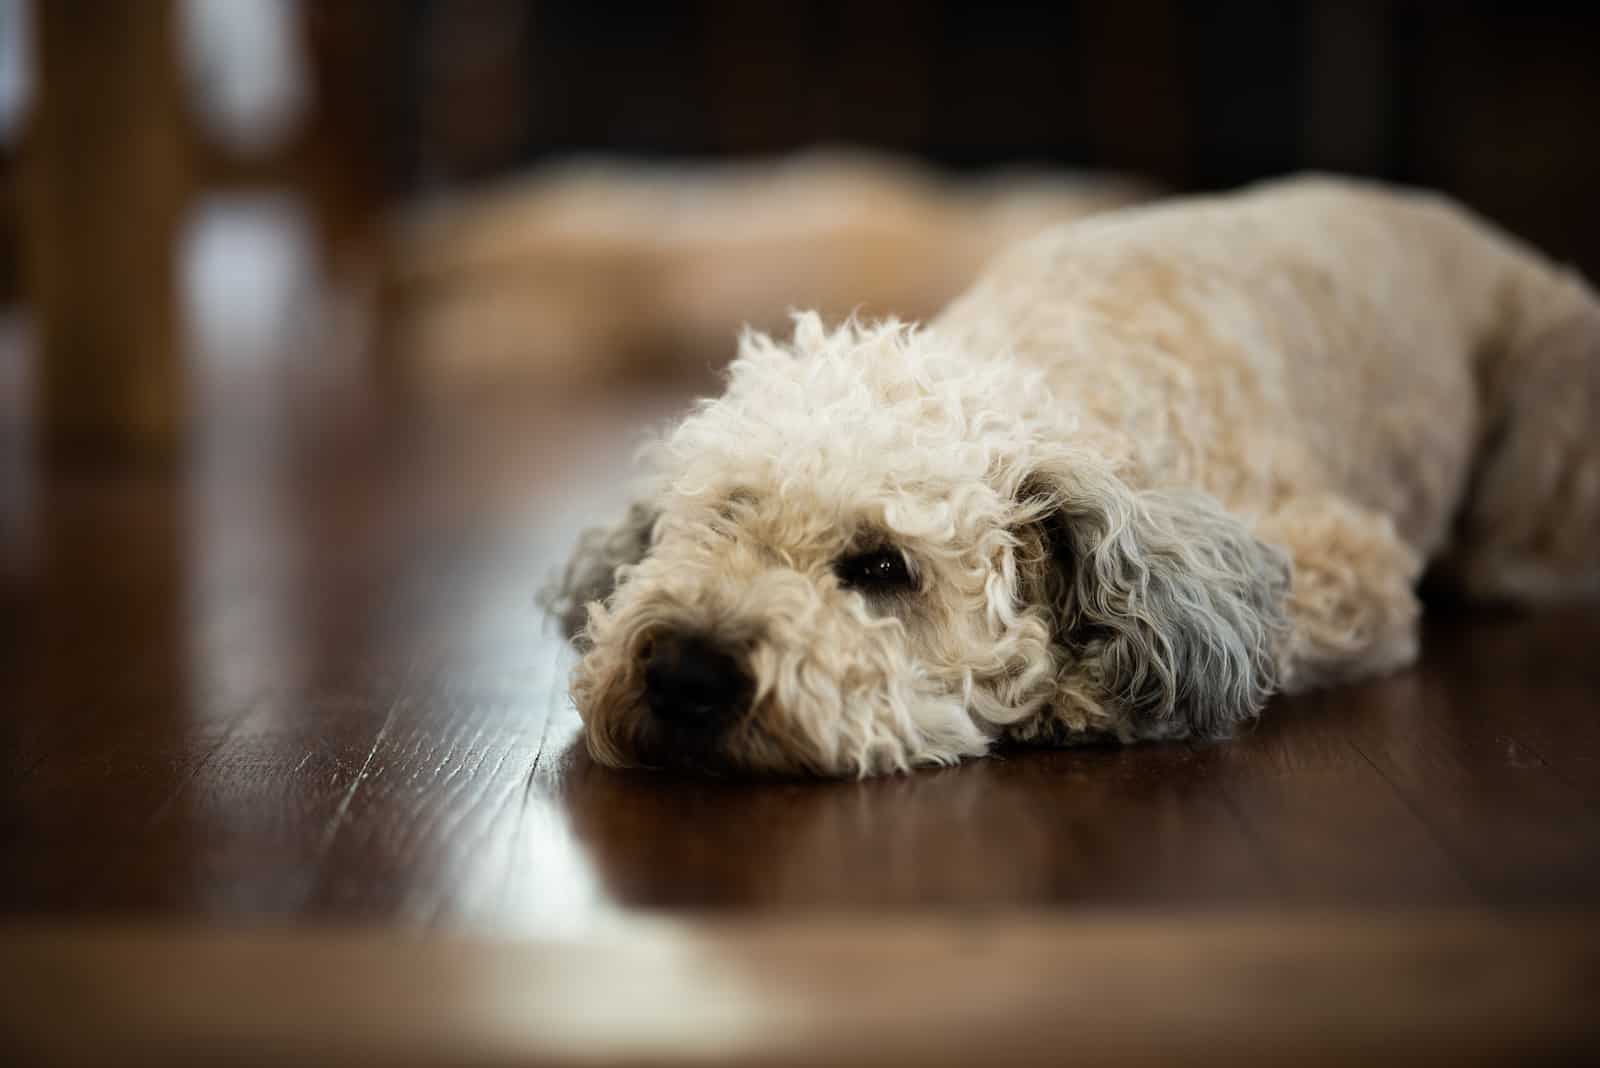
690	681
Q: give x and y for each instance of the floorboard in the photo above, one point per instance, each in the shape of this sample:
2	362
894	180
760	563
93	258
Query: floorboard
1319	990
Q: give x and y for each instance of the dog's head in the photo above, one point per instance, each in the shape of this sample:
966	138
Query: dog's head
871	553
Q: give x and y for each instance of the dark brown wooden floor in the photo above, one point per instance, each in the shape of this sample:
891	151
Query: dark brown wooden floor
304	679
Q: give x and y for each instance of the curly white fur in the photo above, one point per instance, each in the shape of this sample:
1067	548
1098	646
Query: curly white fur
1151	469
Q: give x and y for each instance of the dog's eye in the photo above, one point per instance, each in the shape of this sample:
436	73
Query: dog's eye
877	571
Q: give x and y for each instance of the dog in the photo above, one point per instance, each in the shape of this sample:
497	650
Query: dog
1152	468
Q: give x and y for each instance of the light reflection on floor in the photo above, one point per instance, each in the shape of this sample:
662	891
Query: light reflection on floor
259	319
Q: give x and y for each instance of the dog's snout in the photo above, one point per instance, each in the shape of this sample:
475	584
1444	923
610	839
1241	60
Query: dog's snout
691	681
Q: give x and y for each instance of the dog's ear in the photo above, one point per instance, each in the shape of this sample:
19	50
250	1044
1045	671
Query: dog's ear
1168	609
591	574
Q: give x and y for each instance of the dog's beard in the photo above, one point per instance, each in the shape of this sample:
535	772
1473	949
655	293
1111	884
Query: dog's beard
836	693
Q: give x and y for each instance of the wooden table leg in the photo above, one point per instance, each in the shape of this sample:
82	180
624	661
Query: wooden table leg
103	185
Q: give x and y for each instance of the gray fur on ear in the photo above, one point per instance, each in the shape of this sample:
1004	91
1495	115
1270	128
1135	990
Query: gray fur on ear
591	573
1167	607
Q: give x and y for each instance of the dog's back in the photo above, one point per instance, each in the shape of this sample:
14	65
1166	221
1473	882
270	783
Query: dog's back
1306	334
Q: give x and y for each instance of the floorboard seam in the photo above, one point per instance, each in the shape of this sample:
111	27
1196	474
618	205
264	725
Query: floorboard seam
1463	869
343	810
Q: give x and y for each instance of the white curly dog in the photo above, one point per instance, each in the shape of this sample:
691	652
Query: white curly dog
1152	468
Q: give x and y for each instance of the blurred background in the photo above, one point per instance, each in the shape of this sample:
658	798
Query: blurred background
571	192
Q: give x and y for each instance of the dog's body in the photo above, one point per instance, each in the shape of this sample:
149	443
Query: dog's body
1152	468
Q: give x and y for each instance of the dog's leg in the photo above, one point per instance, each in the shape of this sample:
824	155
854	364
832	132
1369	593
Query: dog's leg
1352	609
1530	527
